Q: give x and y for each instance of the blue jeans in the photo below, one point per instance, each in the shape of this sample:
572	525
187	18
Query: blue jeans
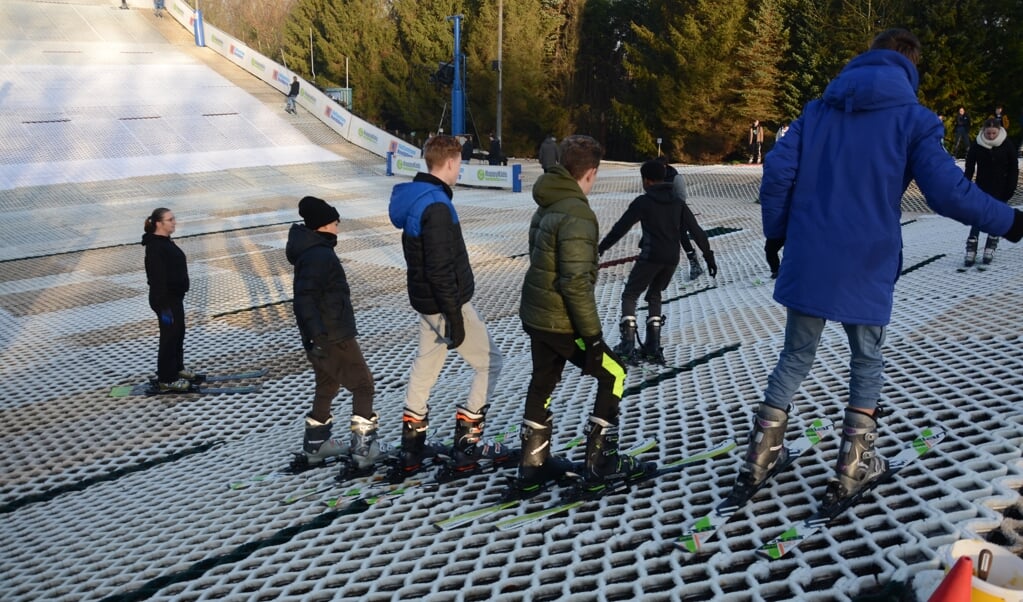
802	335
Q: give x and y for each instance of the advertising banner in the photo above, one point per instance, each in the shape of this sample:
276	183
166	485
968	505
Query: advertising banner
485	176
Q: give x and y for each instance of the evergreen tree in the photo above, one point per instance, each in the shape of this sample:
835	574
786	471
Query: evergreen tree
758	61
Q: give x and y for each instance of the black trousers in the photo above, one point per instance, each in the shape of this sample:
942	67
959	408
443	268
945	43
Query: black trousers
550	351
341	364
171	357
650	277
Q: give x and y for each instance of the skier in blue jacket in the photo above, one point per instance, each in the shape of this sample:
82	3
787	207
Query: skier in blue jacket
831	194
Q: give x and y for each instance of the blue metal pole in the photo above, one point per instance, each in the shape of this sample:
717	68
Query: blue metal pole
457	91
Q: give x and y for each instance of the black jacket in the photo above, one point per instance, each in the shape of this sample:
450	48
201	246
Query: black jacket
997	168
322	303
660	216
166	271
439	277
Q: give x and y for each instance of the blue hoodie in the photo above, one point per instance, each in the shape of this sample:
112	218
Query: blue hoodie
833	186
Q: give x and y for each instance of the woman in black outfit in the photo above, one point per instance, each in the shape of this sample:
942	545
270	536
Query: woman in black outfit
167	275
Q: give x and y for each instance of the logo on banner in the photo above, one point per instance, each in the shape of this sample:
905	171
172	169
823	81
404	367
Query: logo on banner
406	150
483	175
281	78
368	136
238	52
216	40
257	64
335	116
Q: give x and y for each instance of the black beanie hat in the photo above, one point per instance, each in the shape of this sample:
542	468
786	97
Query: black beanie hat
652	170
316	212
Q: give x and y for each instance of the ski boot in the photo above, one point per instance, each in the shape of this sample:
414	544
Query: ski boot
626	348
989	250
765	452
694	265
712	265
604	465
470	454
318	447
537	467
971	253
652	350
416	453
191	375
858	464
180	385
366	450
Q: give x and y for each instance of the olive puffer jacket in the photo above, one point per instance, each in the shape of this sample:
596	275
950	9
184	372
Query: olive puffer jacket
557	294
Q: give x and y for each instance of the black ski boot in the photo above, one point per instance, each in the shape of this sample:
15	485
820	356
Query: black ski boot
971	252
604	465
318	446
858	464
470	454
626	348
416	453
652	350
765	451
537	467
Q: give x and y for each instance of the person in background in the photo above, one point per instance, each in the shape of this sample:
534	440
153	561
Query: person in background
549	154
993	156
961	134
494	156
289	106
167	276
690	227
756	141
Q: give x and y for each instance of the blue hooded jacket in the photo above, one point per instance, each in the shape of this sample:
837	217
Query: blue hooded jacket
833	186
439	276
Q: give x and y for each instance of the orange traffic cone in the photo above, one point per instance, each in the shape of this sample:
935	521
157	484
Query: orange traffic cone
957	584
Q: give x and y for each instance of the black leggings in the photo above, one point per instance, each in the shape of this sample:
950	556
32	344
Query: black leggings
171	358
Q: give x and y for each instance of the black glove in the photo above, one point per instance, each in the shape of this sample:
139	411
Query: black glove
712	266
595	350
771	248
166	317
318	349
454	330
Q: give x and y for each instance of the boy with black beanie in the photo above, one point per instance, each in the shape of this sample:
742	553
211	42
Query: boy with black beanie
323	309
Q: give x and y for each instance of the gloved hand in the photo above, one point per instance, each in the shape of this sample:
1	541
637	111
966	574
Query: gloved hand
454	330
319	346
166	317
712	266
771	249
595	350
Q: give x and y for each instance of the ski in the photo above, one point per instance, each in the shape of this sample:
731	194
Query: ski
216	378
516	522
798	533
148	389
701	531
505	503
